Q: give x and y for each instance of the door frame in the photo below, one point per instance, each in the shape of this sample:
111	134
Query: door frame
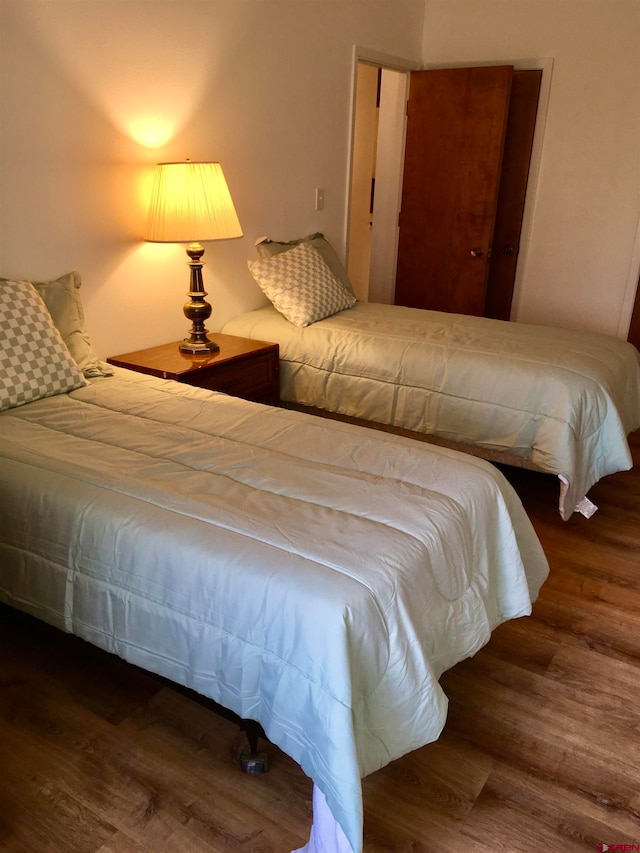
545	64
388	255
632	290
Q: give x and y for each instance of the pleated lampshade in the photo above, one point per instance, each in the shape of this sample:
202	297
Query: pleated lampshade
191	202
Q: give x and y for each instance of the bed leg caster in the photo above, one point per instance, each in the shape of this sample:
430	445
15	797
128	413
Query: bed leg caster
251	759
253	762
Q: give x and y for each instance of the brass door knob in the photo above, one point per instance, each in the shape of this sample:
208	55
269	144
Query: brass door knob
476	252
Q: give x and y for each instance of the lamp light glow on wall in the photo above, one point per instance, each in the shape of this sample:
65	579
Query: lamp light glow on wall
191	203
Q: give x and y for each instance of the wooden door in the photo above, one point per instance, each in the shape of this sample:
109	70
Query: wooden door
523	108
634	329
456	125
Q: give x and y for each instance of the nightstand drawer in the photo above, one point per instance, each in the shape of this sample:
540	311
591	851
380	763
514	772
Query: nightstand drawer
255	378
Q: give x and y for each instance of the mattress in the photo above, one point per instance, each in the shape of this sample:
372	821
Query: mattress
562	400
311	575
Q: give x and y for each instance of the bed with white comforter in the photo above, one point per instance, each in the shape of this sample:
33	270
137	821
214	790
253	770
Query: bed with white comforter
558	400
312	575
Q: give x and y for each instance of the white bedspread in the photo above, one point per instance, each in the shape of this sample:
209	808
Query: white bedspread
312	575
564	399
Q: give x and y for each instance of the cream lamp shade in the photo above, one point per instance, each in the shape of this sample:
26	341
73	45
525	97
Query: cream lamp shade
190	203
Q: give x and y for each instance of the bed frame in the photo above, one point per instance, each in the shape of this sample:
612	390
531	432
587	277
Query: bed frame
487	453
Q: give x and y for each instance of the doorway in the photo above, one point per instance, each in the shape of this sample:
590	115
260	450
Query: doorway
376	178
633	335
372	239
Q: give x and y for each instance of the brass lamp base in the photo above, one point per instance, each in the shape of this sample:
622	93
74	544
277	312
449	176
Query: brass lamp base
197	309
199	347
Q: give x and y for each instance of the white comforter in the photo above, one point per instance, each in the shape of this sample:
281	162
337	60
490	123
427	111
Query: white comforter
308	574
565	400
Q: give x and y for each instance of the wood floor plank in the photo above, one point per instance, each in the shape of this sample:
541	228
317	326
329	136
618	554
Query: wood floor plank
173	725
528	643
572	744
573	814
425	795
609	686
503	821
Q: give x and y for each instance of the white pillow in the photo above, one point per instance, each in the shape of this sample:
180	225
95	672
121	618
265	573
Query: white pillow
62	298
34	361
300	285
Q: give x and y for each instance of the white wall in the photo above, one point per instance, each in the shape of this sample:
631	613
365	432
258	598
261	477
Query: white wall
94	92
580	264
264	86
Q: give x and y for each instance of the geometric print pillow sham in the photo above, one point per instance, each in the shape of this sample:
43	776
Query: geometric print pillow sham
34	361
267	248
300	285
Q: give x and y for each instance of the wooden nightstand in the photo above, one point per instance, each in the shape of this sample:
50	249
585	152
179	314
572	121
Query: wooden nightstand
242	367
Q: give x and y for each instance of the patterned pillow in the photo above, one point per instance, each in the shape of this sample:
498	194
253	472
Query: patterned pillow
62	298
267	248
300	285
34	361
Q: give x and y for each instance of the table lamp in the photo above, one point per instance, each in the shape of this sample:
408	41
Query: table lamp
190	203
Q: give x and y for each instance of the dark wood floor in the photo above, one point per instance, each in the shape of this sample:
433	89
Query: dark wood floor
541	751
